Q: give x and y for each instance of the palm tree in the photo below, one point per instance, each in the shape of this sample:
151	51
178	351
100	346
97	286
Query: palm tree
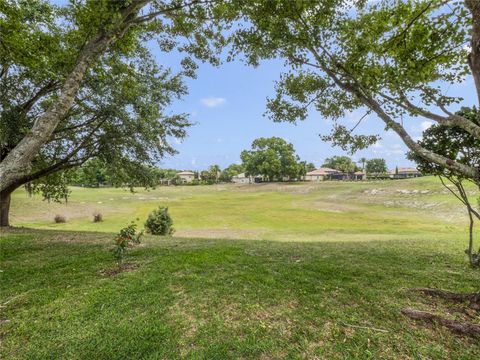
362	161
215	172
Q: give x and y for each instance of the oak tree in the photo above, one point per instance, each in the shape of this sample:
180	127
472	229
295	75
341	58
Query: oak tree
392	59
79	81
272	158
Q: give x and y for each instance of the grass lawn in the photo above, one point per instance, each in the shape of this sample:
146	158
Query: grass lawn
269	271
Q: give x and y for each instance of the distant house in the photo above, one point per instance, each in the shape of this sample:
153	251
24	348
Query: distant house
241	179
404	173
360	175
379	176
321	174
186	176
324	173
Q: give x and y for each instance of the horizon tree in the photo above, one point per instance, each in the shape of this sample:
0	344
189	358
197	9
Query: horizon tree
376	166
362	161
272	158
341	163
230	171
305	167
215	172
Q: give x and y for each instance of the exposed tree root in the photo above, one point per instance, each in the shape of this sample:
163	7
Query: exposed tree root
472	298
462	328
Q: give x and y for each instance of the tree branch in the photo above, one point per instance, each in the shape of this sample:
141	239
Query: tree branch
45	90
372	104
474	56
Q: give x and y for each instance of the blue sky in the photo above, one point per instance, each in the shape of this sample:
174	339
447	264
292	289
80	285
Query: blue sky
227	105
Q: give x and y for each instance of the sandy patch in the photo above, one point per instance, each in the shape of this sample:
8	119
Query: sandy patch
219	233
336	207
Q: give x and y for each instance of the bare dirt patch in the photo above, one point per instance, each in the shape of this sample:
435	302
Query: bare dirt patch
300	188
335	207
109	272
219	233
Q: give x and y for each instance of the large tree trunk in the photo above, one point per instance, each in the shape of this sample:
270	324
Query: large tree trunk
5	208
474	57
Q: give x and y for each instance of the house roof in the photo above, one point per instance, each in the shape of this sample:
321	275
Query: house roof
241	175
359	173
405	170
323	171
186	173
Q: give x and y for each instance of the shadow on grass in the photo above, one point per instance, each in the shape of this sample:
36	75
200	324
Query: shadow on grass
206	298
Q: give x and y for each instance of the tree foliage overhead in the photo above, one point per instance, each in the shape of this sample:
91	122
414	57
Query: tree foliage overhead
392	59
273	158
452	142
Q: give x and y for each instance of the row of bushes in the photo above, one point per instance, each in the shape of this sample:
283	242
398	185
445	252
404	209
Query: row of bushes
159	221
60	219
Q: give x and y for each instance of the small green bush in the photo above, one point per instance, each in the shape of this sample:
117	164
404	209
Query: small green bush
59	219
97	217
159	222
125	238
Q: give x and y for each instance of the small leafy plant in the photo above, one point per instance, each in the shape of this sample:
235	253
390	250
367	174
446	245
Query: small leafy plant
97	217
125	238
159	222
60	219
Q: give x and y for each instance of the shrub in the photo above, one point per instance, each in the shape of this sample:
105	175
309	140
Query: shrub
124	238
159	222
97	217
60	219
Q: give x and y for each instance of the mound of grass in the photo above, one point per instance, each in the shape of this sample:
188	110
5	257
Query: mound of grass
224	299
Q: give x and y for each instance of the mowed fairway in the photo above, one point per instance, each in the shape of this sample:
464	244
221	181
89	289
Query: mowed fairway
328	211
267	271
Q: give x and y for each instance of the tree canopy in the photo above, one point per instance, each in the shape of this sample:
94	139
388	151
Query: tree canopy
376	166
273	158
341	163
230	171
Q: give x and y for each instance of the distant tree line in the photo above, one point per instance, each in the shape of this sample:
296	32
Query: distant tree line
271	159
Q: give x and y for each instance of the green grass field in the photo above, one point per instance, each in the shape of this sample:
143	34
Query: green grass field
266	271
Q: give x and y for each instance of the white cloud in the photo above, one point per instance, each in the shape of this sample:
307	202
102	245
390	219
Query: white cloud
420	128
377	145
213	101
425	125
193	162
388	149
354	116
